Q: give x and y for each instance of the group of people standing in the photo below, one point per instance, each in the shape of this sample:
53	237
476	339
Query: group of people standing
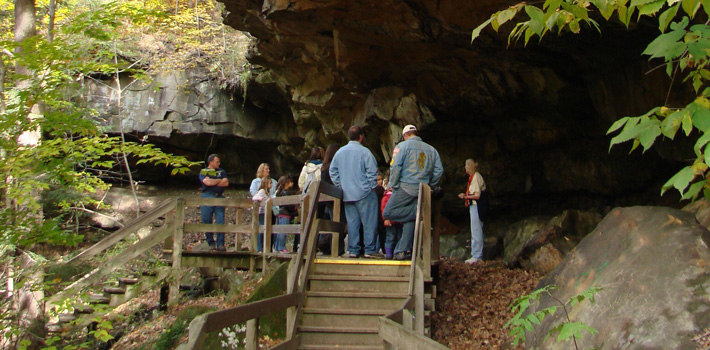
353	169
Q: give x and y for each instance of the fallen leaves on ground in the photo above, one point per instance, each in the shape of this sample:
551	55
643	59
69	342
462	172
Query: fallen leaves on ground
473	303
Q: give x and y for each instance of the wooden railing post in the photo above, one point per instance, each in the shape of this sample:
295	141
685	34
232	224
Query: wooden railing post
426	232
268	217
304	214
177	253
252	336
238	236
335	243
254	235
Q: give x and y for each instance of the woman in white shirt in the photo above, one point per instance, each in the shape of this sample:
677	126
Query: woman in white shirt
476	185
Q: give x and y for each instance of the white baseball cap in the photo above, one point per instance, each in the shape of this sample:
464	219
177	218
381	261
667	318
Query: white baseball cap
409	128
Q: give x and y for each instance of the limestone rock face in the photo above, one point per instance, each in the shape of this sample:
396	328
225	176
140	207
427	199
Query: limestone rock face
652	265
535	117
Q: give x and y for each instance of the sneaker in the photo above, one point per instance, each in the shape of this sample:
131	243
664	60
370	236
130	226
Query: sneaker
221	248
213	248
403	256
389	257
374	256
472	261
284	251
350	255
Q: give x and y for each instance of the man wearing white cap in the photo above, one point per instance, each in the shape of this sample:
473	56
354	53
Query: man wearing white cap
414	162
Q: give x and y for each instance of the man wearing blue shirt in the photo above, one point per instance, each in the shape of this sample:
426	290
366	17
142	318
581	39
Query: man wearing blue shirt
354	169
414	162
213	180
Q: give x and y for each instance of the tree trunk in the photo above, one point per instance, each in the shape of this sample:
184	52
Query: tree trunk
50	24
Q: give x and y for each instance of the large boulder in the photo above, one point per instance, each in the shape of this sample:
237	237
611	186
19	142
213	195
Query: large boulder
540	244
652	263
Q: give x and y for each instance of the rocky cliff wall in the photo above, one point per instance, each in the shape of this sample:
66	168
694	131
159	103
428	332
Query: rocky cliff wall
535	117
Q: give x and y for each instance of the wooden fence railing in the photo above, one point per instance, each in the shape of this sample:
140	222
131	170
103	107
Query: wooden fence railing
404	328
293	300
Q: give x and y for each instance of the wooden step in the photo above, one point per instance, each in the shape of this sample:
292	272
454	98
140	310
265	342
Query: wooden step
99	299
340	321
339	347
374	295
359	267
334	302
126	281
378	312
114	290
360	278
327	336
338	329
360	286
66	317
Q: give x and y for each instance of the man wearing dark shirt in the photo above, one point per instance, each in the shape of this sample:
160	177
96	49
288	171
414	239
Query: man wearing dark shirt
214	181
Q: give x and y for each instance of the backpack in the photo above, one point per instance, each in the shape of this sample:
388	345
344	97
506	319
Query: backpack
484	206
310	178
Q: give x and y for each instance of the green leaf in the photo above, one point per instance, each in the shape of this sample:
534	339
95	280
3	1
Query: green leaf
476	32
667	16
694	190
702	141
507	15
671	124
665	44
573	329
617	124
690	7
651	7
649	135
552	4
687	123
680	180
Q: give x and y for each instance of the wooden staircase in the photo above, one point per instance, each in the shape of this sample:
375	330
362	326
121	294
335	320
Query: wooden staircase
350	304
345	299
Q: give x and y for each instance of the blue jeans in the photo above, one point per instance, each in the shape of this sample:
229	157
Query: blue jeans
280	239
260	239
476	233
394	234
402	208
362	212
207	212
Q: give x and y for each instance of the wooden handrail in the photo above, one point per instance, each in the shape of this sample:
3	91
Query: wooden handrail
218	320
296	278
124	232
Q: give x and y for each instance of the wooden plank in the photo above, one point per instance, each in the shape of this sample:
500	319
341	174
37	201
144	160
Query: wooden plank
419	299
124	232
174	295
196	335
289	344
417	237
219	202
402	338
236	315
228	228
251	340
254	233
330	226
119	260
238	236
286	229
330	190
425	244
287	200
